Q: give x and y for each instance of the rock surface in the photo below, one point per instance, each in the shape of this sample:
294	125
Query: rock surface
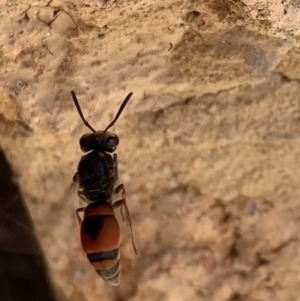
209	148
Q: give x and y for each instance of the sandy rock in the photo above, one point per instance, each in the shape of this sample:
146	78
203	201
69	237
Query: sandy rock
209	149
283	15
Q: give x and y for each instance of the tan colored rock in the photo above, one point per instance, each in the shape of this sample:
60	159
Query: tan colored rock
209	149
283	15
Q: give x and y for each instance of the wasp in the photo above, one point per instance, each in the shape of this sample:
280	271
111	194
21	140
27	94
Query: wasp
97	174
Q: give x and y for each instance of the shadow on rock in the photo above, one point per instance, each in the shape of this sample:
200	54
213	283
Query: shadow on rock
23	275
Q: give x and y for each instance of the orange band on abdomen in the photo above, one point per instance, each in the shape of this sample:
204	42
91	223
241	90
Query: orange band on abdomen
105	264
100	210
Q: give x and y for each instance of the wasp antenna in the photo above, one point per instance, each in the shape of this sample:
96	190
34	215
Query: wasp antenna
76	102
123	105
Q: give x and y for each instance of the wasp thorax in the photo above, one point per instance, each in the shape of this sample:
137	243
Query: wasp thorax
99	141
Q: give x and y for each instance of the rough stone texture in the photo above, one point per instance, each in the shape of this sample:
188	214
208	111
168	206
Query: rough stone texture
281	15
211	134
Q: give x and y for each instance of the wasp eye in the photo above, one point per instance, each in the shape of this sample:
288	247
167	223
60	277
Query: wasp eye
85	142
112	141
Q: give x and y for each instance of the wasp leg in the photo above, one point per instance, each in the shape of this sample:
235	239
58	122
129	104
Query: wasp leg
119	188
76	178
116	160
79	219
123	203
113	169
118	204
82	197
116	164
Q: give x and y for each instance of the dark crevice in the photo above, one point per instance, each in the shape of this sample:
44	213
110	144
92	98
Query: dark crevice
23	275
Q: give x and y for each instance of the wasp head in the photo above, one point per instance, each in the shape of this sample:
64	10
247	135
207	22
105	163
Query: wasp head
100	141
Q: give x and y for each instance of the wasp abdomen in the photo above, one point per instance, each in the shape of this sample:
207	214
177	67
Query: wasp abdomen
111	275
100	238
100	233
107	265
